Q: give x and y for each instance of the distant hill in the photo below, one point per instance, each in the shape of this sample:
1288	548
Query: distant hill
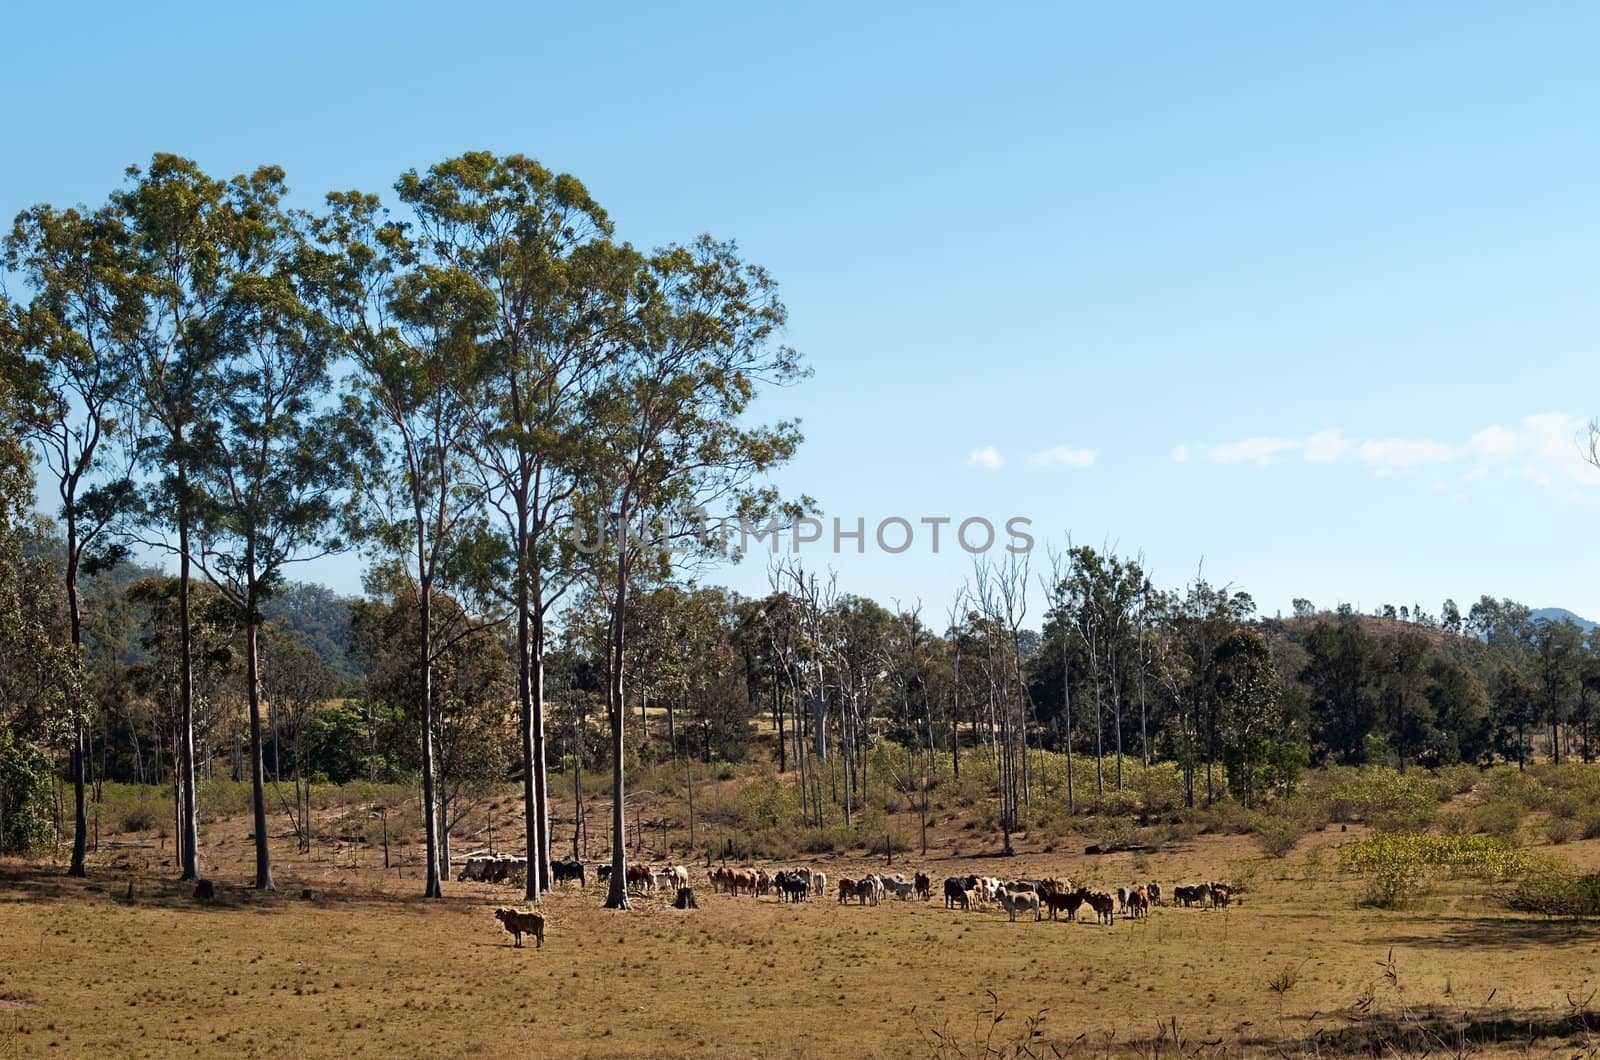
1561	614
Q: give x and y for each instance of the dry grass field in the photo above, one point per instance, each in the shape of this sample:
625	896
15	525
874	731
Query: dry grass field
345	961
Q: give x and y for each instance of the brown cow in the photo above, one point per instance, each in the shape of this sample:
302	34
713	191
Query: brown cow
1219	894
1139	903
520	923
744	880
641	876
1103	904
924	886
763	881
1155	893
847	890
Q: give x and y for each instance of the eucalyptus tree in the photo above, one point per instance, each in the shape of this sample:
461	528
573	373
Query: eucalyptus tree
413	326
186	233
36	666
672	439
276	453
71	359
536	246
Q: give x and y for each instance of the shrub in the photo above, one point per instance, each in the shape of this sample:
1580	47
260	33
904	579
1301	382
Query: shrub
1562	830
1557	894
1400	867
1278	833
1501	819
25	786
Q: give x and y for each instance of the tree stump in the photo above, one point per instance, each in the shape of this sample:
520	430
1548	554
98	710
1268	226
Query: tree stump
685	899
205	890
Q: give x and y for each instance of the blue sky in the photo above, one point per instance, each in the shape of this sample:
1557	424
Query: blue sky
1305	292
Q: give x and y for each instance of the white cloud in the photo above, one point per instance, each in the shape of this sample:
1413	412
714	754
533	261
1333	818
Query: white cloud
1547	448
987	457
1404	452
1495	443
1065	456
1252	451
1325	447
1542	448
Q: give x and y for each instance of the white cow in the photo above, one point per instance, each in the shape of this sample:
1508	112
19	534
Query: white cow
1011	901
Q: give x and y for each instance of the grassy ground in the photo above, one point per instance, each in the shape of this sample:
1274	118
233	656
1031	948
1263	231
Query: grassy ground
361	967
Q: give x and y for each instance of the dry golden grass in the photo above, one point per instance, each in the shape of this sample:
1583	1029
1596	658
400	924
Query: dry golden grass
363	967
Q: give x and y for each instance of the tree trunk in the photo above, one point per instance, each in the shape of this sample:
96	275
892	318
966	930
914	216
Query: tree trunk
541	773
430	808
526	700
258	791
617	898
80	820
188	821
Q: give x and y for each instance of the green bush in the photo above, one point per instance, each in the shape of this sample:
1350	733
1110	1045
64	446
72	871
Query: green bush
26	781
1398	868
1557	894
1502	819
1278	833
1562	830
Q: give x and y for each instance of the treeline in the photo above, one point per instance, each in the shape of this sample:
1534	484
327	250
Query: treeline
451	382
466	390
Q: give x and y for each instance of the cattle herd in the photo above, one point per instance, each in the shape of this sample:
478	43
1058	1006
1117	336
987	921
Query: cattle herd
1021	896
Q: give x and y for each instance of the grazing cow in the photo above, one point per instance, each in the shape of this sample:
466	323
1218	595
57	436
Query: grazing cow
1055	901
954	892
902	890
867	890
969	898
568	869
1220	894
642	877
924	886
1103	904
847	889
793	886
520	923
1189	895
1011	901
721	878
1154	890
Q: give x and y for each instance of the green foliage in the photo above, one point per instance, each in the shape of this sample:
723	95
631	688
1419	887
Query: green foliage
1557	894
26	784
1399	868
1502	820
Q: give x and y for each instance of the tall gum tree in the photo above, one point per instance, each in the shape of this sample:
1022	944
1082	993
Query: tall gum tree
183	228
669	420
275	456
536	245
413	325
72	361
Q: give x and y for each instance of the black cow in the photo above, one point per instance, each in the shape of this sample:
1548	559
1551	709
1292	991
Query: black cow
568	869
955	892
793	885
